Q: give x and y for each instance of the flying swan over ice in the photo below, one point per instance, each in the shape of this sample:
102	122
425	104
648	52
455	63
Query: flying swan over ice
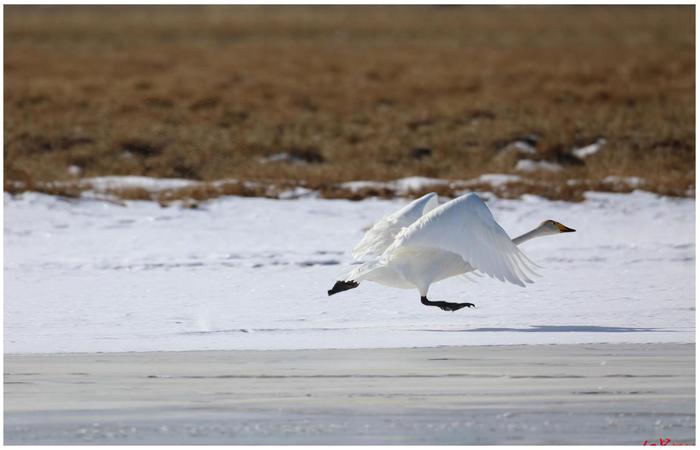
425	242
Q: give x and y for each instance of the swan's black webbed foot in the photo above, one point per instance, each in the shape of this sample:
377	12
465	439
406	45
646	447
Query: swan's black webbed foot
341	286
446	306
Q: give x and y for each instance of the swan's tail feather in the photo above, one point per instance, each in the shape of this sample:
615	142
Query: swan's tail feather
341	286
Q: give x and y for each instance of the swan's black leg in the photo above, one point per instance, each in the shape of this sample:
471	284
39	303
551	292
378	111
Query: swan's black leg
341	286
446	306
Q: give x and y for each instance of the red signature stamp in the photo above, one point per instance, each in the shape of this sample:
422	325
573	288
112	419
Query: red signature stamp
661	441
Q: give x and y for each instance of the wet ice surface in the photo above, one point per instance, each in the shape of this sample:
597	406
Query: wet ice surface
534	394
426	428
249	273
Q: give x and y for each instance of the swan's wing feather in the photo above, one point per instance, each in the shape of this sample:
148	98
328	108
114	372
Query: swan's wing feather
383	233
468	277
466	226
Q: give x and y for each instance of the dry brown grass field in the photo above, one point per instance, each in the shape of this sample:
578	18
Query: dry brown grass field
348	93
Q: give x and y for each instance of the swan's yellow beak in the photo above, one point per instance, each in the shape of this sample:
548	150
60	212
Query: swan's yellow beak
564	228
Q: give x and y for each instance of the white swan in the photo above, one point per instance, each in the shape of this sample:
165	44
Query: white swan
423	243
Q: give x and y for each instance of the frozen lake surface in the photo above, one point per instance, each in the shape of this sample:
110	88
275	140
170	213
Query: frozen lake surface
596	394
251	273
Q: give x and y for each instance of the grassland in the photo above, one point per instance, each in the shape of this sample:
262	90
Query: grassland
317	96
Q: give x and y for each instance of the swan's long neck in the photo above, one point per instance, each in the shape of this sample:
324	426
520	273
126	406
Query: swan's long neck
527	236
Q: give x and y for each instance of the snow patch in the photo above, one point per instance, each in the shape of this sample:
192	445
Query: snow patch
83	275
416	183
498	179
633	182
400	186
589	150
75	170
124	182
298	156
297	192
525	147
528	165
355	186
281	157
405	186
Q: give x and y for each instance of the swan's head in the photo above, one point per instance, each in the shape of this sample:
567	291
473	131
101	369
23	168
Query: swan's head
554	227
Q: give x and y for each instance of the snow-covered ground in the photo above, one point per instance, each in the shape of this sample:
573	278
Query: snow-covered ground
251	273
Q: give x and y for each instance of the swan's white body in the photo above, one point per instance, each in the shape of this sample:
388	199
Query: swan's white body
424	243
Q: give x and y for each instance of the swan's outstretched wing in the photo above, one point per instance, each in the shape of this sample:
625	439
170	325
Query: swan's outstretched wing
465	226
383	233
